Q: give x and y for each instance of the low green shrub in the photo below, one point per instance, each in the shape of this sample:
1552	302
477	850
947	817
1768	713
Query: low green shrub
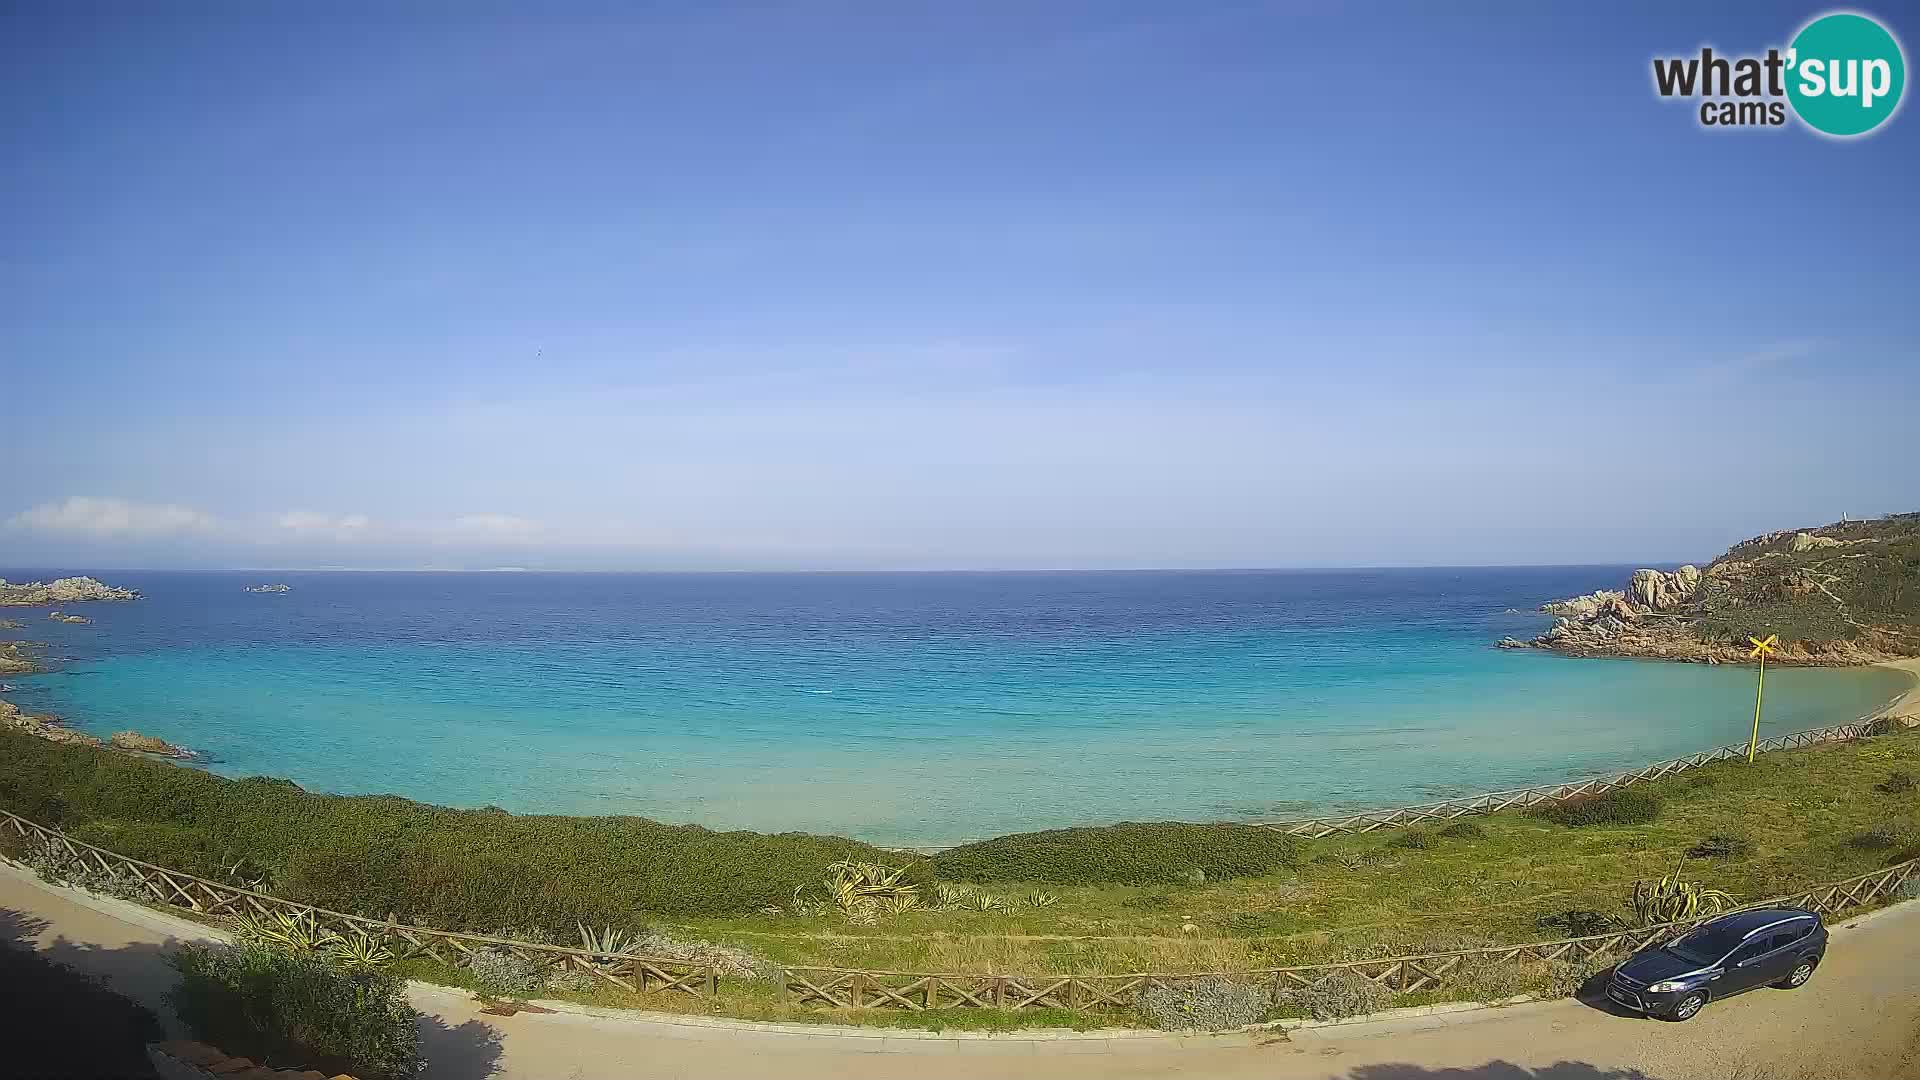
1166	853
1572	978
1879	838
296	1012
1209	1003
1898	782
430	865
1464	829
1338	995
1580	922
1621	806
1490	981
506	975
1412	840
1721	846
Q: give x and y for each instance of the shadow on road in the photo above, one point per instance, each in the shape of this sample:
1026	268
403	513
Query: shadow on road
1497	1070
471	1050
61	1019
72	1009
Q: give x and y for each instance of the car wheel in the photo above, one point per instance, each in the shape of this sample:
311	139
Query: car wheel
1797	977
1686	1007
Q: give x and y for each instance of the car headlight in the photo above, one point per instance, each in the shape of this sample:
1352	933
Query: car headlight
1667	987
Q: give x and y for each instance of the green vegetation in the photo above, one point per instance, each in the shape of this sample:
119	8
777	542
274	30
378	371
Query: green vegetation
1621	806
1671	900
1165	898
297	1011
1167	853
1864	590
454	869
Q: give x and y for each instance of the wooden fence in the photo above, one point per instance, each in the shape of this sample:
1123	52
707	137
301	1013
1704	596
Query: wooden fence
853	989
847	988
1519	798
208	897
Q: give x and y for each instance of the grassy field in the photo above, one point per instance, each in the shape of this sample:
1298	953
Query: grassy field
1807	815
1794	818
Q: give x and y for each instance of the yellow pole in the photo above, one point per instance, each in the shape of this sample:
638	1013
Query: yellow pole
1760	689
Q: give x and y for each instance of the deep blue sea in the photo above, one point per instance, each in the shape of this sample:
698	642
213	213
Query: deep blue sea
916	709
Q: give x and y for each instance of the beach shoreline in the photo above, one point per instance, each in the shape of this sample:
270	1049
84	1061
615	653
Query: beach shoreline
1907	705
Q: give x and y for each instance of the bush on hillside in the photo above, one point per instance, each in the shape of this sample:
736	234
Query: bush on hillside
1128	854
1208	1003
1721	846
296	1012
1621	806
1338	995
1898	782
1464	829
380	855
1412	840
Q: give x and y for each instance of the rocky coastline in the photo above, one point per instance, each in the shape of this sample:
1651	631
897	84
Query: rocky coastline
1836	597
69	590
52	729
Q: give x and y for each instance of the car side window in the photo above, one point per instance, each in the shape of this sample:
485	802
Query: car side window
1751	949
1790	934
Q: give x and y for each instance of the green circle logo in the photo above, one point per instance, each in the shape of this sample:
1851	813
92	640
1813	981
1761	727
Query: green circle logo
1845	74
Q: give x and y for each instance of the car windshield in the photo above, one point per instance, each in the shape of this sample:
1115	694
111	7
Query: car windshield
1706	945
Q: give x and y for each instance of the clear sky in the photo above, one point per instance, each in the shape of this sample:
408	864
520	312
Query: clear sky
931	285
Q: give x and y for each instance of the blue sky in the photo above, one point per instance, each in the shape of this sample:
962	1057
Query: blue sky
821	285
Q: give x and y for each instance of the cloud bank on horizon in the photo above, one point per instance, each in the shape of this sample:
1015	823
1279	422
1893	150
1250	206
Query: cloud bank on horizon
1089	286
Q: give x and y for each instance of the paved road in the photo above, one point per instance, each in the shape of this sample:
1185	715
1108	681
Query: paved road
1856	1019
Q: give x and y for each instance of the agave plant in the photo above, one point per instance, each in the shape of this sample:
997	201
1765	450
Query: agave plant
849	882
358	951
609	940
986	901
1041	900
948	896
301	933
1672	900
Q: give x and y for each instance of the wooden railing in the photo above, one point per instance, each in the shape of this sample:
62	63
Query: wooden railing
1519	798
207	897
856	989
849	988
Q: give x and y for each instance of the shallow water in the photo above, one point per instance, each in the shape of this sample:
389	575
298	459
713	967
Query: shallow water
914	709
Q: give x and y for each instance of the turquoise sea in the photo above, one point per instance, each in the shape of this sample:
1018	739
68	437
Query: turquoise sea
915	709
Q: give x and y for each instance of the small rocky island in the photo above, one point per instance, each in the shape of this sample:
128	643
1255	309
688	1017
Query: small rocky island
269	588
1842	594
61	616
69	590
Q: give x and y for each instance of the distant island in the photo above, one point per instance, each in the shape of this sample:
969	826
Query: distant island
1841	594
270	588
69	590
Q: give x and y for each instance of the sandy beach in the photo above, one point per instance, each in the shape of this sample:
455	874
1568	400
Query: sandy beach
1907	705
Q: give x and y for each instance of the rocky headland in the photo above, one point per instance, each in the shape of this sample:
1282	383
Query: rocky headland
1842	594
70	590
14	659
50	728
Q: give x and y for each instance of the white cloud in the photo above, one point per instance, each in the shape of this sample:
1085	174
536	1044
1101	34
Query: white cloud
345	527
103	517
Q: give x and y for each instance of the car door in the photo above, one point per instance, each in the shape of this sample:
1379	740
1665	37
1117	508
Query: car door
1752	964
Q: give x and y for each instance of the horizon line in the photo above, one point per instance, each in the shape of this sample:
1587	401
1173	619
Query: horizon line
1651	564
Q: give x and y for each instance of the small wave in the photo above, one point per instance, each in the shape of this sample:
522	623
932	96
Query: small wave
816	691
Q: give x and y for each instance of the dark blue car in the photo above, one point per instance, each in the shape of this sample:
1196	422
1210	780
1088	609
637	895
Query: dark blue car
1769	947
